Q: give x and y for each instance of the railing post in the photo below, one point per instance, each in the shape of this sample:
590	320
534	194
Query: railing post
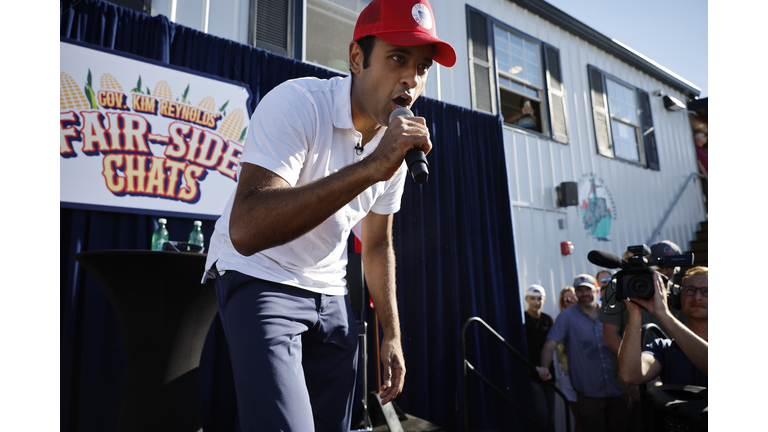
672	207
465	366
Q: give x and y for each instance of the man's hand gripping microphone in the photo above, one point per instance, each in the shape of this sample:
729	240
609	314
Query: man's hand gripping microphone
414	158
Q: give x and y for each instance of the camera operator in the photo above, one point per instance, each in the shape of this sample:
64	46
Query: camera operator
615	320
682	360
614	316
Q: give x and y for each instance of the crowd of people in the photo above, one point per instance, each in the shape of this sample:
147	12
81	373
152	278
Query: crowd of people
597	340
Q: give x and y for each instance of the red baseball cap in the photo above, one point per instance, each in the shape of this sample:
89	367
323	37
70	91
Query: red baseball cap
404	23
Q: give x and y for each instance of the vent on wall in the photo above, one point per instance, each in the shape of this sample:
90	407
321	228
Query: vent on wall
270	27
144	6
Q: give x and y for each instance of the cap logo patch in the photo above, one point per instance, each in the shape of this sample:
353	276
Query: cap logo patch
422	16
668	250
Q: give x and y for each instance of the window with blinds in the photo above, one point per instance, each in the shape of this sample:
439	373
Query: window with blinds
330	26
271	25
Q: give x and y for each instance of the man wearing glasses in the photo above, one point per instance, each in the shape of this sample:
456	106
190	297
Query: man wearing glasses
603	280
682	360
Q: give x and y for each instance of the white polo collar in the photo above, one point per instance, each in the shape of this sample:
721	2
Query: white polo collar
342	102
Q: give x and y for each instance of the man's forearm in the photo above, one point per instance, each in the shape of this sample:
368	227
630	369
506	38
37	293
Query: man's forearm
630	351
546	353
611	337
379	261
694	347
269	212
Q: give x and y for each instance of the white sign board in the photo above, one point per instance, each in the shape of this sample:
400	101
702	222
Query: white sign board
140	135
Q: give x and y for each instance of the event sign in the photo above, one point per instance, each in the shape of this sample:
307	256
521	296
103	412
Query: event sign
146	136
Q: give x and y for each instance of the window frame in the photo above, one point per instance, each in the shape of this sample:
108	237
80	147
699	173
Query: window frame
547	92
541	89
293	29
642	151
637	127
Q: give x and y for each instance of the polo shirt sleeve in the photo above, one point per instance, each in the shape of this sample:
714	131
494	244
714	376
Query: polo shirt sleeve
389	202
658	349
281	132
558	331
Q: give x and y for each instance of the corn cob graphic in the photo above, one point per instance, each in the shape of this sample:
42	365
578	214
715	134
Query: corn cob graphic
232	124
108	82
207	104
162	90
89	93
70	95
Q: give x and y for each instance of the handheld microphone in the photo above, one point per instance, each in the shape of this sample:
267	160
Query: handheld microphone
415	159
604	259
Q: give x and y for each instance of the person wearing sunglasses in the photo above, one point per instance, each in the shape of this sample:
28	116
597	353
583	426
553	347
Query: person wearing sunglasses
683	358
603	280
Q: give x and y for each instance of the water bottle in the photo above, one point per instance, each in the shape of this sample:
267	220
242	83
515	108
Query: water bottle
160	235
196	236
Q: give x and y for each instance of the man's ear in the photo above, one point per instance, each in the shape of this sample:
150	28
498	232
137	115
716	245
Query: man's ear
355	57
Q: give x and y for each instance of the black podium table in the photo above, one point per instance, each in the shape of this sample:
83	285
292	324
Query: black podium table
164	315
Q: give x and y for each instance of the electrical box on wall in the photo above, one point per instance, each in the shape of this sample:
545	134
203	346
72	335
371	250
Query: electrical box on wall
567	194
566	248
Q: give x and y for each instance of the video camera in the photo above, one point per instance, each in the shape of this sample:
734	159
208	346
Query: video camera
636	276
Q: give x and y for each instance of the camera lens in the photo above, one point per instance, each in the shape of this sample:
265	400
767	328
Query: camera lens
639	285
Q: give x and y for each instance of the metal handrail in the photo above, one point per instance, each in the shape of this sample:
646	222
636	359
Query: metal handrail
466	365
647	328
672	207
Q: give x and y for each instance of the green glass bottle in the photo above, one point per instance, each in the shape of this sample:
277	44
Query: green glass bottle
196	236
160	236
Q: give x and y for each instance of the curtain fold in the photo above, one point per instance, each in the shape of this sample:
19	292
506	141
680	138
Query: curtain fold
453	243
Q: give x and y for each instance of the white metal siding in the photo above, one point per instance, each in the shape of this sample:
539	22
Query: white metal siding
535	166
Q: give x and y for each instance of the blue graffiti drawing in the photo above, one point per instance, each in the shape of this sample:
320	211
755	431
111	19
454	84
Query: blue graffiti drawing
596	214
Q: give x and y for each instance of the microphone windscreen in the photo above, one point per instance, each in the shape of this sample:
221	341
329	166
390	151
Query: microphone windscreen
604	259
400	112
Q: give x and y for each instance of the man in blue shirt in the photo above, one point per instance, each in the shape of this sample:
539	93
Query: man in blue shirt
602	404
682	360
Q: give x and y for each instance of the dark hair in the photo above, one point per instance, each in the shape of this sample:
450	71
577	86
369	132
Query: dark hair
366	45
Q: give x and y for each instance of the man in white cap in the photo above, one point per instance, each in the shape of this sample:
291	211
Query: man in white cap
320	157
602	404
537	326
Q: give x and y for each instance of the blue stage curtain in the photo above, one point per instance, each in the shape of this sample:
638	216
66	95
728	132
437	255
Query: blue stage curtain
455	257
453	240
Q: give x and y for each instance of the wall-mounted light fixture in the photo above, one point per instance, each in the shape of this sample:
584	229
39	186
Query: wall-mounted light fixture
567	194
672	104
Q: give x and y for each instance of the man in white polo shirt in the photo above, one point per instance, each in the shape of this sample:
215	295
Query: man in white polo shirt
321	156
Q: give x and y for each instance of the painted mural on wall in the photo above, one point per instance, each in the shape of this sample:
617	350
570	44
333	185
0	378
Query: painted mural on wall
138	134
597	208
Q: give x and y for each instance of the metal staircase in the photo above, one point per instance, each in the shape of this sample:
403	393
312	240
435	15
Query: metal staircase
699	246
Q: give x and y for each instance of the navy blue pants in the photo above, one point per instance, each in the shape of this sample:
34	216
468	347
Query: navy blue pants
294	355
